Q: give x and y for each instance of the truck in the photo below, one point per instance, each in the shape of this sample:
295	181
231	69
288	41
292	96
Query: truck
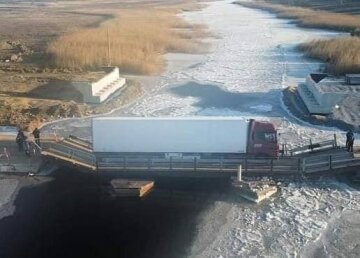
184	136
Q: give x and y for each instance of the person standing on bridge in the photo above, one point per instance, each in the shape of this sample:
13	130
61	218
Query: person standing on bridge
36	134
350	141
20	138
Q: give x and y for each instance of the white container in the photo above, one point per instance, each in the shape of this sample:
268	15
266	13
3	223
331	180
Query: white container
170	134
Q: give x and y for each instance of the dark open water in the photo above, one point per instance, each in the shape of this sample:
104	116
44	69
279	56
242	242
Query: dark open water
68	217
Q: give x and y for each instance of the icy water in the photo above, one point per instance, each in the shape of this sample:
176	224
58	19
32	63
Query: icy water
312	219
253	59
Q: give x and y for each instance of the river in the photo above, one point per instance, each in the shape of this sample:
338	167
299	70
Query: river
251	60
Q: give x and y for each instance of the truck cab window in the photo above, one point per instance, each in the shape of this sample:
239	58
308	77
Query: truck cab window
266	136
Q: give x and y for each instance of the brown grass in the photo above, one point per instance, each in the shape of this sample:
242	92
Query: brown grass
138	38
342	54
308	17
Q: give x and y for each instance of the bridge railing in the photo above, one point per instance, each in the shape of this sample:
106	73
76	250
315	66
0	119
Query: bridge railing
250	166
70	153
171	164
328	144
328	162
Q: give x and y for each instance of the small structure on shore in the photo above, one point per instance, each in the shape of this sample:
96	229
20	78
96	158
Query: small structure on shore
98	86
322	93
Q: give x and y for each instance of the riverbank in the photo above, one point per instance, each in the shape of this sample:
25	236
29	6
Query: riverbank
341	54
342	119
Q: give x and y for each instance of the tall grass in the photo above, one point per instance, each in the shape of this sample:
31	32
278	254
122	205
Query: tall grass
342	54
308	17
138	38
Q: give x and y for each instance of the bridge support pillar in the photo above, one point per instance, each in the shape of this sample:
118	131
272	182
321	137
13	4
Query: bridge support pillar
239	175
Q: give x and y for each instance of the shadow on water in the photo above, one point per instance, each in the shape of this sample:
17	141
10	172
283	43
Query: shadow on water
67	217
213	96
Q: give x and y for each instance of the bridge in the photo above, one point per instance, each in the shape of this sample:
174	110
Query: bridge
316	159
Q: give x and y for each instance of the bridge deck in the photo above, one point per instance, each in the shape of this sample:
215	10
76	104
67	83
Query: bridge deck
76	152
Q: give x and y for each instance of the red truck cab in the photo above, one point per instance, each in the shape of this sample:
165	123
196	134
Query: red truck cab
262	139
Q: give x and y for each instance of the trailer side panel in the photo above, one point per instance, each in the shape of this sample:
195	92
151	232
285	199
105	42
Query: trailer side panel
165	135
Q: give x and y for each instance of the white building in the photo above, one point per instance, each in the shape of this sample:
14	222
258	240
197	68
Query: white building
98	88
321	93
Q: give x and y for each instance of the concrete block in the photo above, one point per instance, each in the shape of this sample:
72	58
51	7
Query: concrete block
98	91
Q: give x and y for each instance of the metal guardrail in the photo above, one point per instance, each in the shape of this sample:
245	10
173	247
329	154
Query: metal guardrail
171	164
261	167
70	154
81	155
328	162
328	144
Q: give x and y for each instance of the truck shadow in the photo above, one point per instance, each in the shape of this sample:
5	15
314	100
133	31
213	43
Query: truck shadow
213	96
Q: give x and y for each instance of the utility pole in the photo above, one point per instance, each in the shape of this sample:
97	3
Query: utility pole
109	52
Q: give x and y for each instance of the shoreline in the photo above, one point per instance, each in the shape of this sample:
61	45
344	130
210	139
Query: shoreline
297	108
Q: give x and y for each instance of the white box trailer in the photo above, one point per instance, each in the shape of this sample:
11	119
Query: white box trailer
169	135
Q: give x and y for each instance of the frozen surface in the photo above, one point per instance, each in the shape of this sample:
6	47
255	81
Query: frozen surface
318	219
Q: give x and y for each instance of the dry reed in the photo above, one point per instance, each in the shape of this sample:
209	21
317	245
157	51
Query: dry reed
342	54
138	38
308	17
